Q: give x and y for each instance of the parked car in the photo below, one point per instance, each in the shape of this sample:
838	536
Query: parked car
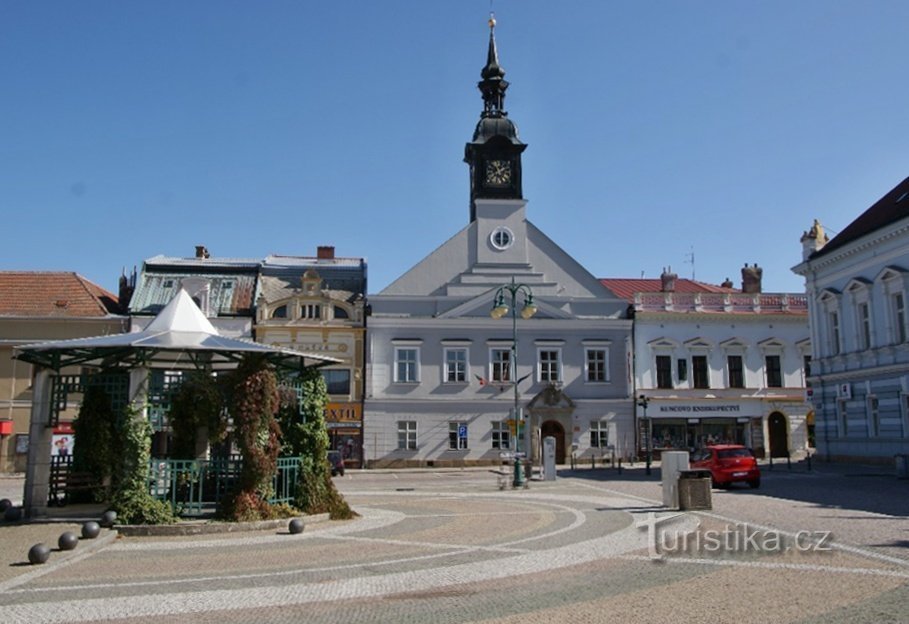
728	463
336	462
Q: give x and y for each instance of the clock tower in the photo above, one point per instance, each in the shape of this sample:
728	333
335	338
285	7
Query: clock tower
494	154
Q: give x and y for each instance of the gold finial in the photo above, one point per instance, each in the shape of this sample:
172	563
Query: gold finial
492	20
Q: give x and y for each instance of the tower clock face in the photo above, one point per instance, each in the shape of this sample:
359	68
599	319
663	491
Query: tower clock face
498	172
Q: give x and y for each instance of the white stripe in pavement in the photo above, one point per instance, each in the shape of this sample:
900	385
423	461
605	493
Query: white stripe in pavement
804	567
61	611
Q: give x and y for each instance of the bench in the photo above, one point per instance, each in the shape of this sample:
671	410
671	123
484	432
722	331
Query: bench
63	484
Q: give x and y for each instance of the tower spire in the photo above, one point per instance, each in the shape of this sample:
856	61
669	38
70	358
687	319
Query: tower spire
493	85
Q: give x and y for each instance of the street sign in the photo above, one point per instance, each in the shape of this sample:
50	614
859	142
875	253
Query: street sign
462	432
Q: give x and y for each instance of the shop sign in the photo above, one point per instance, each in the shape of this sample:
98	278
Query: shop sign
705	409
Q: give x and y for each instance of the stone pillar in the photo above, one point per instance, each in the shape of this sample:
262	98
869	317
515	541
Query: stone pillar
40	444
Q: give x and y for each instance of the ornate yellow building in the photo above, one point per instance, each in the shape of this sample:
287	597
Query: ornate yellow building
318	305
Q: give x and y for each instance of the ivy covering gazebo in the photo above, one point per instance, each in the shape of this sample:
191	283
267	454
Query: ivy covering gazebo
179	339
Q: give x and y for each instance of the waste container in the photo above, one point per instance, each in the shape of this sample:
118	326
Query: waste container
902	466
694	490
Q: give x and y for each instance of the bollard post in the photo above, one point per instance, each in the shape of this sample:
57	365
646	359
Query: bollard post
620	465
771	461
808	460
789	463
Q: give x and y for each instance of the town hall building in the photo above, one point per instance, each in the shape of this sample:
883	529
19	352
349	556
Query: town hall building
498	339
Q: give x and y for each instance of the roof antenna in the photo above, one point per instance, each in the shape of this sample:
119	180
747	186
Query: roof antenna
689	259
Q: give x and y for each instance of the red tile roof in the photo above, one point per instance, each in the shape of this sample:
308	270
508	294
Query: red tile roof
46	293
626	287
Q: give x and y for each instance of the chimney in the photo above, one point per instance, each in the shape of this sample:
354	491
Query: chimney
727	283
667	280
813	240
325	252
751	279
201	252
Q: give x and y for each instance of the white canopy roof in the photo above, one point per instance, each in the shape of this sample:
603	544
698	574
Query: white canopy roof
180	337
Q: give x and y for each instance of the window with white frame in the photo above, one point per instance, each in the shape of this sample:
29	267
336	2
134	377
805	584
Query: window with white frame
599	434
407	364
455	365
407	435
859	292
735	371
872	408
774	371
595	365
500	363
898	310
310	310
664	371
700	371
892	281
864	321
457	436
501	435
549	365
833	331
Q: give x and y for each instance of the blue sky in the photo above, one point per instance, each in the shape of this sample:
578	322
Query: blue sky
134	128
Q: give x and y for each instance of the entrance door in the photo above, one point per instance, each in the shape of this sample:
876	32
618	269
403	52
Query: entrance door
779	435
554	428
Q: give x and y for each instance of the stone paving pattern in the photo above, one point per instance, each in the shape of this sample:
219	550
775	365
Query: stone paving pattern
439	547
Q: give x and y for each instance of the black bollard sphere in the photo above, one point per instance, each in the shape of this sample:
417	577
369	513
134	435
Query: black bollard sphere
38	553
68	541
91	530
5	504
12	514
295	526
108	518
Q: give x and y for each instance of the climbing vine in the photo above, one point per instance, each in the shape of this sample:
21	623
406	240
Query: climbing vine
132	500
195	406
253	402
95	439
307	437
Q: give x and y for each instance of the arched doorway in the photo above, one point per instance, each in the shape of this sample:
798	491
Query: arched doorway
556	430
779	435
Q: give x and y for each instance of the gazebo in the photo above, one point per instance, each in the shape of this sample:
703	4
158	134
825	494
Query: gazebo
180	338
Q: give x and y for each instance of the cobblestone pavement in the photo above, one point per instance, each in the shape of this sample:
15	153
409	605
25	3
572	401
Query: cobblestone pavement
451	547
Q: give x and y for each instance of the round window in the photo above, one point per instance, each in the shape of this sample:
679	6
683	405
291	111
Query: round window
501	238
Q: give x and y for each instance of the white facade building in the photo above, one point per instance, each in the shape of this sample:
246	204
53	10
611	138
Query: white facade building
858	288
718	365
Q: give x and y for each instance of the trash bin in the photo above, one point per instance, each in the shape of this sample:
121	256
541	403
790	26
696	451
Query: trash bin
902	466
694	490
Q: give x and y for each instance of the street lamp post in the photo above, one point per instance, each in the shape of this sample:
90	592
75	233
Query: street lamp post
643	401
500	308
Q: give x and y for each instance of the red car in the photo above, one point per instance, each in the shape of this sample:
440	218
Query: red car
728	463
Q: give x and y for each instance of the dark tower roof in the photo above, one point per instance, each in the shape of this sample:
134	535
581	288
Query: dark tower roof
494	120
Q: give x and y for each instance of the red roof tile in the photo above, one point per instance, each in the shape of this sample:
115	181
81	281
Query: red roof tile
626	287
40	293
